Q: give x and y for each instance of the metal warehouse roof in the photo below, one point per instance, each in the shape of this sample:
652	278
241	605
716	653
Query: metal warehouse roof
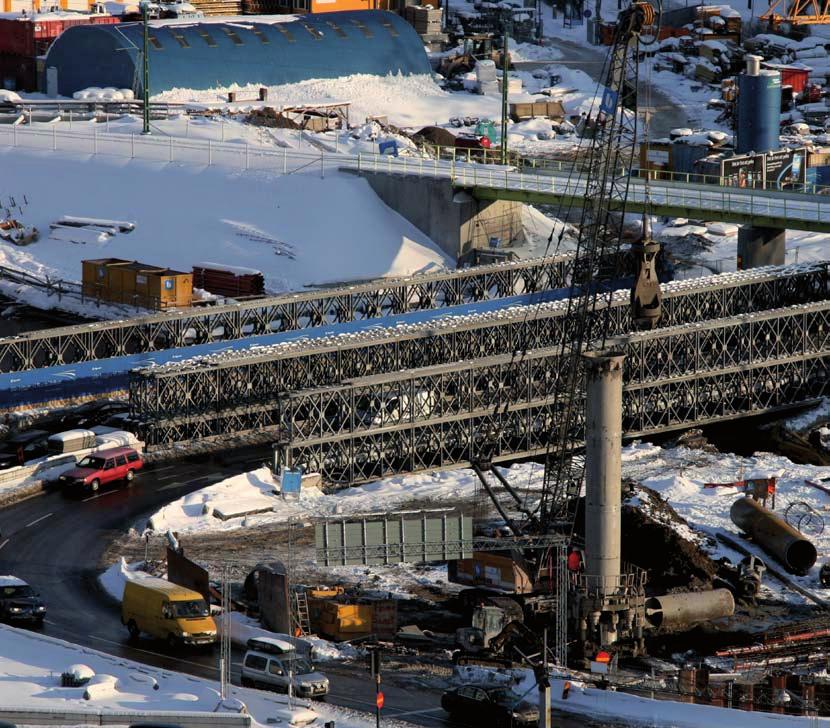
202	55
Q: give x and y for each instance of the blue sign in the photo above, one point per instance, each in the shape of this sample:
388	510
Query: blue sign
291	481
168	284
392	145
609	102
587	13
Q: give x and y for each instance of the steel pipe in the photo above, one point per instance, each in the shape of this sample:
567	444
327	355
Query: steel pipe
688	608
603	443
773	534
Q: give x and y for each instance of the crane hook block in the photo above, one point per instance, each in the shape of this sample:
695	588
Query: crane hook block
645	295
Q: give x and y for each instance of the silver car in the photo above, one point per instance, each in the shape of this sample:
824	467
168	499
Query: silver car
273	664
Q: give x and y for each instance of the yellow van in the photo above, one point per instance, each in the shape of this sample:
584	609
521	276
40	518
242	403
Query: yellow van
167	611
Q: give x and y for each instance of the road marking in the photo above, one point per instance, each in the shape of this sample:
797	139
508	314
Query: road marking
93	497
38	520
4	543
167	477
418	712
170	486
166	467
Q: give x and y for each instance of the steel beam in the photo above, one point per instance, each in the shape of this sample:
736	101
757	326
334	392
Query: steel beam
251	383
289	312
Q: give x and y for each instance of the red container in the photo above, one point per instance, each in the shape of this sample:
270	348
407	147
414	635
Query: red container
795	77
228	281
27	36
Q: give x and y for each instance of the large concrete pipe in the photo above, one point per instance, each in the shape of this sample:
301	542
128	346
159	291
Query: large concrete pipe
688	608
603	443
773	534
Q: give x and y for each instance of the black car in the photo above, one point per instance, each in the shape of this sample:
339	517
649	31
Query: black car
488	705
23	447
19	602
92	413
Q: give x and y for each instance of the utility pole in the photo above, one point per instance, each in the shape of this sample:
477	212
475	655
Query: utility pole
145	15
505	65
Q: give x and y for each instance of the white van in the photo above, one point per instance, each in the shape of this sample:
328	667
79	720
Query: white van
273	664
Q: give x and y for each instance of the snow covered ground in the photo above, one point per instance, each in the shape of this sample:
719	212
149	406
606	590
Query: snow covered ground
336	228
31	665
677	474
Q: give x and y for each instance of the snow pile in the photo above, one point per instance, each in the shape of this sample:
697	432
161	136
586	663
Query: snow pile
31	665
188	214
114	578
194	512
93	93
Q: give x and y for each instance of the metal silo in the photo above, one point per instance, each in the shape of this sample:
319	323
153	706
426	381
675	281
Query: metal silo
759	108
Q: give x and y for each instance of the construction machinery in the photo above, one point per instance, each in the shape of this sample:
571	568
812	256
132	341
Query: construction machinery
475	47
601	602
798	12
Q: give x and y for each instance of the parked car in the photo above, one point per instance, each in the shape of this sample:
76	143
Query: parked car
493	706
102	468
167	611
92	413
23	447
273	664
19	602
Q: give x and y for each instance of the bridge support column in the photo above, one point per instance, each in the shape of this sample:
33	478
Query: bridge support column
759	246
603	468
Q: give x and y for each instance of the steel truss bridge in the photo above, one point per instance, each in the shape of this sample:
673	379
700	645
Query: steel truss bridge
290	312
246	395
439	417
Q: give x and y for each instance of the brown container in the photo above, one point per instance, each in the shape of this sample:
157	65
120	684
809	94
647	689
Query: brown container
136	284
95	276
385	618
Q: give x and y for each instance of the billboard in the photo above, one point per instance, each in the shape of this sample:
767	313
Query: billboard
745	171
786	168
778	169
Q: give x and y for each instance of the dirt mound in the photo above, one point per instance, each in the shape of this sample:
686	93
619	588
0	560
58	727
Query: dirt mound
652	540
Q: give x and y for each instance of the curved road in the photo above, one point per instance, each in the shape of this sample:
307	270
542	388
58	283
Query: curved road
56	544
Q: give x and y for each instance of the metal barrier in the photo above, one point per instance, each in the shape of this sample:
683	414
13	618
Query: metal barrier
101	717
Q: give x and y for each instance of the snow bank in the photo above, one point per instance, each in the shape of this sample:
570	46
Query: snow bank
31	665
339	228
114	578
194	512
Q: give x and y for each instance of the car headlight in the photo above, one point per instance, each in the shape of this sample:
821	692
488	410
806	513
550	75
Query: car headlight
41	608
15	609
185	634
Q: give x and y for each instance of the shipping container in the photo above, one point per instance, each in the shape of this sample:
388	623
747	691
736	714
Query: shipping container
492	570
792	76
136	284
228	280
31	36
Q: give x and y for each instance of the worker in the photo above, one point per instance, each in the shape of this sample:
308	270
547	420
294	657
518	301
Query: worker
574	561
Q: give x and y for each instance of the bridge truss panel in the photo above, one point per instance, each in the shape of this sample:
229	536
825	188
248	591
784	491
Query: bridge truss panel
290	312
250	382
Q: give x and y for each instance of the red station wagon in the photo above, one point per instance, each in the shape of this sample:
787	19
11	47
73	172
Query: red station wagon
103	467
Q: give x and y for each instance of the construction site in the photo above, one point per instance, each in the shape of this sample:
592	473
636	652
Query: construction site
417	417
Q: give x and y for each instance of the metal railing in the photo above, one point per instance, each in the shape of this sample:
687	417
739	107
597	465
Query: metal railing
709	198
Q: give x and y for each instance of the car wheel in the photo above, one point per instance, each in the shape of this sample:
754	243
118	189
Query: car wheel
94	485
247	682
172	642
130	477
39	622
133	629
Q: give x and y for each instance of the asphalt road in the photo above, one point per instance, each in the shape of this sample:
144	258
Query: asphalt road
55	544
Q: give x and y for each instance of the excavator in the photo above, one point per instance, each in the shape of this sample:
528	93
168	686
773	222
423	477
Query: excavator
499	632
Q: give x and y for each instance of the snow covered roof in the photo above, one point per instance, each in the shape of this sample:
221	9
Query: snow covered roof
11	581
70	435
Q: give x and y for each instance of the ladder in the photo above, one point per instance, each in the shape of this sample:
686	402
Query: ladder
300	620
